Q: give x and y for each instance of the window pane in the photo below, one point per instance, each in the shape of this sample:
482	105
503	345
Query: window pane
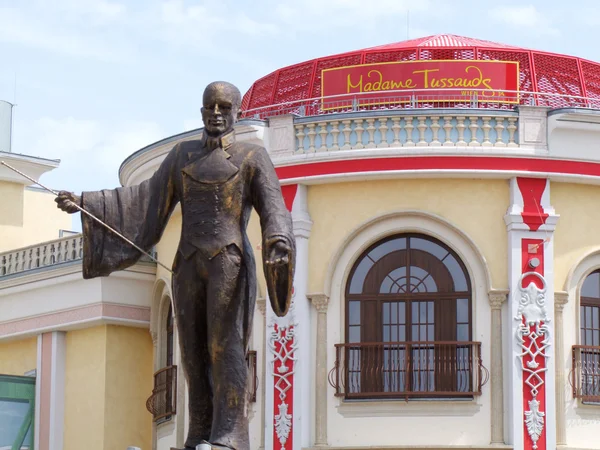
462	332
429	247
394	282
394	312
387	247
354	334
402	334
386	333
12	415
596	341
591	286
458	276
354	313
462	310
394	335
588	316
588	337
358	279
595	317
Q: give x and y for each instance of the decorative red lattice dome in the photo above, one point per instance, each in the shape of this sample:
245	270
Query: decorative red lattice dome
540	72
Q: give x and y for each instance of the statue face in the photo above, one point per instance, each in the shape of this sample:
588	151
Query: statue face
220	110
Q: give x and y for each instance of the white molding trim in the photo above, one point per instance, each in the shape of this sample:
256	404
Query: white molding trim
65	273
400	408
404	221
79	317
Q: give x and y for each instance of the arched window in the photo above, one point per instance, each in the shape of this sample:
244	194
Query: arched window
586	356
408	321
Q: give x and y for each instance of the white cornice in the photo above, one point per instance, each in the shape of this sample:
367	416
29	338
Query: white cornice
30	165
65	273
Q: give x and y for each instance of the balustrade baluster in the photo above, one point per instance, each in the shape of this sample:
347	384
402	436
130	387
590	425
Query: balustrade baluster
359	132
300	137
346	131
486	131
383	130
396	129
448	132
512	128
473	126
435	128
460	127
422	126
499	132
371	131
335	132
311	137
409	127
323	136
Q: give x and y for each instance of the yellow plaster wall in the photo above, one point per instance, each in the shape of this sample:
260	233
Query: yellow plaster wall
577	231
477	207
42	219
167	247
129	383
11	215
18	357
85	389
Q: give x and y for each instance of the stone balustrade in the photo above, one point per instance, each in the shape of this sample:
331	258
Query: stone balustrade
352	132
45	254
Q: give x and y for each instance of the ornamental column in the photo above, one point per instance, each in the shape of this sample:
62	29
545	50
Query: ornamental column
287	408
261	305
560	300
530	375
320	302
496	299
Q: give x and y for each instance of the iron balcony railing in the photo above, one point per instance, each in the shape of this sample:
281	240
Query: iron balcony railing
585	373
162	404
420	99
370	370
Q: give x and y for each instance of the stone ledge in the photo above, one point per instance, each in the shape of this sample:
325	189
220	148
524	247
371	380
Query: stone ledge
395	408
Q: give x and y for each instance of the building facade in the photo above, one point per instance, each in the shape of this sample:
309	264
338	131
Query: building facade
447	291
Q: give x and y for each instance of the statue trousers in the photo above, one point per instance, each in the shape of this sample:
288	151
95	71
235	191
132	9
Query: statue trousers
210	307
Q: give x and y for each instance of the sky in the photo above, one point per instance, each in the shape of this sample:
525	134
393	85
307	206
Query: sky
96	80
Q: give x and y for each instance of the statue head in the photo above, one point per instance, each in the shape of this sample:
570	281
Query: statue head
221	107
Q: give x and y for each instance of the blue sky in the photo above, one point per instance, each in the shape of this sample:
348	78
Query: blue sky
98	79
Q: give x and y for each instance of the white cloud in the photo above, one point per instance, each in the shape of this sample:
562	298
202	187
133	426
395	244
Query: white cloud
348	13
524	17
90	151
18	27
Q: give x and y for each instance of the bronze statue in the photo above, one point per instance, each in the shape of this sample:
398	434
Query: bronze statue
217	181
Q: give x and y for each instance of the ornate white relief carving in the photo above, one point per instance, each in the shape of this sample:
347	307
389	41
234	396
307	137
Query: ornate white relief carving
532	304
283	333
534	419
283	424
533	336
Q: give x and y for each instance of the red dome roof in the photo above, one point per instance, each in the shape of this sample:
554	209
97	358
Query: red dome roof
540	72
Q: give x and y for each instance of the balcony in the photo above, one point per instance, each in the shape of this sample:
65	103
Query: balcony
585	373
162	404
47	254
434	128
393	370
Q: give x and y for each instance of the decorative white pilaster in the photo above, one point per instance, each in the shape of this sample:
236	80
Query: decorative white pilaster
321	302
530	376
289	365
560	300
261	305
50	391
497	298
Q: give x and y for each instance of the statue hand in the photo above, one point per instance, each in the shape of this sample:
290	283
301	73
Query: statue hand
279	254
67	201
